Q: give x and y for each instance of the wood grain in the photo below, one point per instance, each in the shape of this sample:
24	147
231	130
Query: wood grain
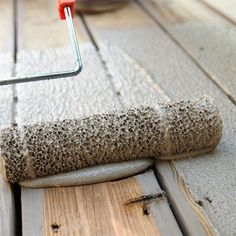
205	36
84	210
32	211
169	73
7	217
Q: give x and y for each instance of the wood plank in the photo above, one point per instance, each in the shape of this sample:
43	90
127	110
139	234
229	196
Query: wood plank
206	37
32	211
127	209
224	8
168	70
7	218
68	98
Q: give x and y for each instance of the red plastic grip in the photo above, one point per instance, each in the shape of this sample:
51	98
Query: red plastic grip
65	3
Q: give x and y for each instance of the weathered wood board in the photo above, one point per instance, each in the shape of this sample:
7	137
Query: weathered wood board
121	204
91	92
177	76
208	38
7	226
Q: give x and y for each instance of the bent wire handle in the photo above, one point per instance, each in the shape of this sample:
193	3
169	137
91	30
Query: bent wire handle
54	75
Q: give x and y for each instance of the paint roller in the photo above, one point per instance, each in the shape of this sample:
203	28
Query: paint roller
166	131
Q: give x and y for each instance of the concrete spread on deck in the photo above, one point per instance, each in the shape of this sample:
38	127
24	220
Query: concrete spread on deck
211	178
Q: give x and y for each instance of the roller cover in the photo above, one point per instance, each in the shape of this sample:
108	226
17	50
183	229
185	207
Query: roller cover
166	131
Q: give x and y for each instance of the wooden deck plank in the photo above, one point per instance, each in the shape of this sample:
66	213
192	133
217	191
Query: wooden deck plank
171	72
32	211
7	218
82	212
68	98
206	37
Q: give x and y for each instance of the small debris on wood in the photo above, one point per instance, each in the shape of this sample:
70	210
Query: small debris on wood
55	227
146	210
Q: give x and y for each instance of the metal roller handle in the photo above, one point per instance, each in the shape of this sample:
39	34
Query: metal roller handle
66	11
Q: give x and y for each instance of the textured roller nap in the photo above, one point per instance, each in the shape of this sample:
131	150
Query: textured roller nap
166	131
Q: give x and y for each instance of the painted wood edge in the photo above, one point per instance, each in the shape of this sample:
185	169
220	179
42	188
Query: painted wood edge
32	212
7	216
91	175
191	218
158	205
